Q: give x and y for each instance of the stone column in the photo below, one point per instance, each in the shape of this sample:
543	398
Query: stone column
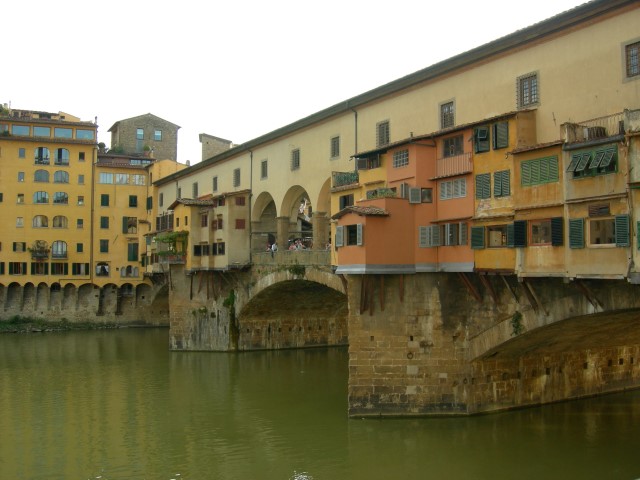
282	236
320	224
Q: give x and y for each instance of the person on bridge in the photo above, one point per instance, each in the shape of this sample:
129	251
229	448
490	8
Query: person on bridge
274	249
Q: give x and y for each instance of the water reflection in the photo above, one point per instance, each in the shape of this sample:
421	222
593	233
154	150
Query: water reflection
119	405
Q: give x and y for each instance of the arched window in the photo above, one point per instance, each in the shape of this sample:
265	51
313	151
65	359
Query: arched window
40	221
41	176
60	177
42	156
62	156
59	249
41	197
102	269
60	221
61	198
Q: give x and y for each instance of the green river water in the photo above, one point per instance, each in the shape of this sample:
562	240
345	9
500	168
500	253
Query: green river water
118	404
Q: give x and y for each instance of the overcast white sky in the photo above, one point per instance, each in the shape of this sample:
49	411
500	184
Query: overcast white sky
236	69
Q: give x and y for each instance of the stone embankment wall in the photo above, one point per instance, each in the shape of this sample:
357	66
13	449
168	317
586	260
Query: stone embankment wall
144	305
431	345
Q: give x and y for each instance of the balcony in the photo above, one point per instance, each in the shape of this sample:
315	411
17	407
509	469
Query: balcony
341	179
173	258
594	129
455	165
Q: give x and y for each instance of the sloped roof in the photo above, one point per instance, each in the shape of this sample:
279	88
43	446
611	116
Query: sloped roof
363	211
114	126
189	202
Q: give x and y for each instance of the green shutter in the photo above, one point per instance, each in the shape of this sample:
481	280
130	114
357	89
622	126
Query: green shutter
557	231
477	237
622	230
339	236
520	233
125	224
500	135
576	233
462	233
149	203
510	236
501	183
481	139
483	185
553	169
525	173
575	159
66	269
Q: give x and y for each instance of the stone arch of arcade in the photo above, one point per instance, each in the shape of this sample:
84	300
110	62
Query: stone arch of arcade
288	310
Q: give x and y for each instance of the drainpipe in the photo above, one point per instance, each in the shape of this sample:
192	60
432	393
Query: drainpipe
94	160
355	128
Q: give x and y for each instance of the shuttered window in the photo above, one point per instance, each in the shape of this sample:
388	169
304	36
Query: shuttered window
502	183
520	233
576	233
622	230
477	237
481	139
557	231
500	135
539	171
483	185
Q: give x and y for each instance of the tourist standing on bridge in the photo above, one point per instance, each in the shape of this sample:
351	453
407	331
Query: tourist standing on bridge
274	249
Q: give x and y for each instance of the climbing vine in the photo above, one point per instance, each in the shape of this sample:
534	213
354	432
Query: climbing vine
516	324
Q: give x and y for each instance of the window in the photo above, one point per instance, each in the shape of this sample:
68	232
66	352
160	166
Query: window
60	177
204	219
240	223
194	190
241	201
102	269
452	146
22	130
82	134
539	171
592	163
21	176
447	115
632	62
453	189
335	147
500	135
41	176
62	156
79	269
20	198
603	232
149	203
63	133
527	87
132	252
349	235
502	183
79	223
40	221
104	200
41	197
80	199
106	178
59	269
60	198
59	249
215	184
122	178
60	221
346	201
80	179
157	135
139	134
133	200
481	139
264	170
497	236
104	222
19	222
295	159
42	132
368	163
42	156
540	232
104	246
426	195
19	247
382	134
401	158
161	200
236	177
483	186
22	153
17	268
81	156
137	179
129	225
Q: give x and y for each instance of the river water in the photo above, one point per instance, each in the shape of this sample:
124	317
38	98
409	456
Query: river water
119	405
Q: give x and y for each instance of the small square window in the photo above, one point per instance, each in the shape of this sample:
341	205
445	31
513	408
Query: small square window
81	157
21	176
133	200
528	89
80	179
80	223
383	136
157	135
79	247
21	153
335	147
104	246
632	59
104	222
295	159
104	200
264	169
236	177
215	184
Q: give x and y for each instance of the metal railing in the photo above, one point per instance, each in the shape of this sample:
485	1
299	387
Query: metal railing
340	179
601	127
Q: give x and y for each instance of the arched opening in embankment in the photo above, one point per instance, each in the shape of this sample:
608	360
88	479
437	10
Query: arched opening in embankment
293	314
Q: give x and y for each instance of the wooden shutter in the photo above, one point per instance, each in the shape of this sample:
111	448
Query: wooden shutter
510	236
339	236
553	169
359	234
483	185
462	233
500	135
435	236
525	173
622	230
481	135
451	234
125	224
557	231
477	237
423	237
576	233
415	195
520	233
501	183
